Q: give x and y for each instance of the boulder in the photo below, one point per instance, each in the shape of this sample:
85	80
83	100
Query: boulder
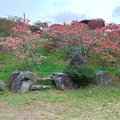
103	78
21	81
77	59
63	81
2	85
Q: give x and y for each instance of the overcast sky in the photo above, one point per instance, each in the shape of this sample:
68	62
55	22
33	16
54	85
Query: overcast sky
59	11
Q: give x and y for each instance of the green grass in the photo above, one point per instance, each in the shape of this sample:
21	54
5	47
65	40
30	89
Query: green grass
8	64
93	102
53	62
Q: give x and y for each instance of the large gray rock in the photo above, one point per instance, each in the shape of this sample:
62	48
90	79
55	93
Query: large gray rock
77	59
2	85
63	81
21	81
103	78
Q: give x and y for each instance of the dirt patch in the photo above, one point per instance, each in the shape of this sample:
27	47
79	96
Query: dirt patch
36	111
3	105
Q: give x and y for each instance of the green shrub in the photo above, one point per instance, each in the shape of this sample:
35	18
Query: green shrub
81	75
34	28
6	26
5	33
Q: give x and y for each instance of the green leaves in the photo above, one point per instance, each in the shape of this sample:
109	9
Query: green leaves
81	74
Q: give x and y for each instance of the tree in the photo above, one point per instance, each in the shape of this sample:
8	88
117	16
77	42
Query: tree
41	25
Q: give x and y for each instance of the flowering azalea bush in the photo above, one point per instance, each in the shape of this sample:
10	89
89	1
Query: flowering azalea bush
69	36
96	24
102	41
72	37
109	42
108	45
22	42
20	37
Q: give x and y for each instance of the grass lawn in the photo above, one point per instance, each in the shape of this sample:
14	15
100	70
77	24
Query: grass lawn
91	103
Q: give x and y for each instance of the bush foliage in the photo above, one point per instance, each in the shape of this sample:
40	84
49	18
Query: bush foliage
81	75
5	27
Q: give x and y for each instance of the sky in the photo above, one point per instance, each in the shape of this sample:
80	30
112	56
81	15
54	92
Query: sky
59	11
